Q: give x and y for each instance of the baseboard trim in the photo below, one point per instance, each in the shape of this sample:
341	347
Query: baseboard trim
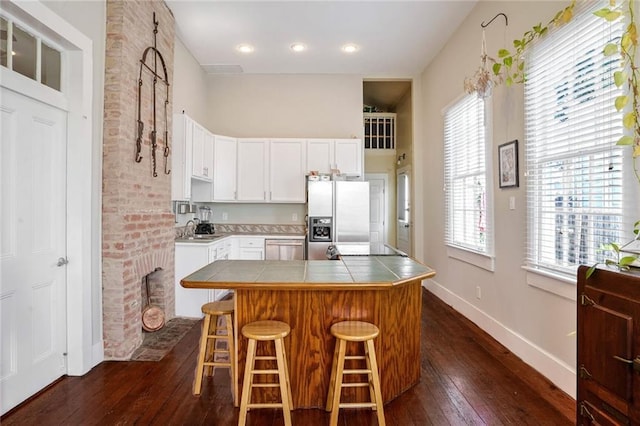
97	353
556	370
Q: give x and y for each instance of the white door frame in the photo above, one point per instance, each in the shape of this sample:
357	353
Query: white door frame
84	349
385	177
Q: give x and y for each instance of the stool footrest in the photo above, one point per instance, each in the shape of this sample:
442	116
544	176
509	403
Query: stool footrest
355	385
265	385
357	405
265	405
217	336
354	357
265	358
358	371
216	364
254	372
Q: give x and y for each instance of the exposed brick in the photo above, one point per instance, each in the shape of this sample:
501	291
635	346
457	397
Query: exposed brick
137	225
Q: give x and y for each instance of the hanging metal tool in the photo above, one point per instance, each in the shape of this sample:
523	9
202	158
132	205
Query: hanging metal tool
164	79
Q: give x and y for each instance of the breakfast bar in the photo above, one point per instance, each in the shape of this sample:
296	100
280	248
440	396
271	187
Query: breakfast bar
312	295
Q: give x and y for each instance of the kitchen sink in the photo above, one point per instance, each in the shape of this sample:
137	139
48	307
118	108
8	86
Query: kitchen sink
199	238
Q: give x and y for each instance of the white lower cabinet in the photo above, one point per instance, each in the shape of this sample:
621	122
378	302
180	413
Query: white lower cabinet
250	248
188	259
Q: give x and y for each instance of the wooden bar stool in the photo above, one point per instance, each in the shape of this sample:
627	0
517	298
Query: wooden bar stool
354	331
208	344
263	331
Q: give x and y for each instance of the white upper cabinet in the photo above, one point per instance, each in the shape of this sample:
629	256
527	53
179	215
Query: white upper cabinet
181	157
287	159
252	170
349	156
345	155
202	165
225	168
320	155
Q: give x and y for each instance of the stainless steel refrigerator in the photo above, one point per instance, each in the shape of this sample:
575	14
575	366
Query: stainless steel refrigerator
338	212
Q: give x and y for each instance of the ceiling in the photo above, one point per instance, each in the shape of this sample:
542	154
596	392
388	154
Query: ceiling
397	39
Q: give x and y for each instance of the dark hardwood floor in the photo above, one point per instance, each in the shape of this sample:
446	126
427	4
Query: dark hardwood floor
467	379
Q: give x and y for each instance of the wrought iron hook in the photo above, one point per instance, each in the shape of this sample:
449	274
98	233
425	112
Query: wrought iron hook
506	20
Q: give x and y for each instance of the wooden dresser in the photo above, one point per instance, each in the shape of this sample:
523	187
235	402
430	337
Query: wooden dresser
608	367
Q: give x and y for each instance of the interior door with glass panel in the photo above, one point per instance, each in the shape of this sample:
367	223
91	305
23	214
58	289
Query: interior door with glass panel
403	194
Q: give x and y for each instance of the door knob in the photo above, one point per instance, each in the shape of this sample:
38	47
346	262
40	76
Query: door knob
62	261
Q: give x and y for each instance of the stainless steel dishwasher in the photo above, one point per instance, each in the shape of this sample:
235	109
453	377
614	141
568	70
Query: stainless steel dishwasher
284	249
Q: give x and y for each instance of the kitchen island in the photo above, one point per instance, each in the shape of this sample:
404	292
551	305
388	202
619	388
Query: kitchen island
311	296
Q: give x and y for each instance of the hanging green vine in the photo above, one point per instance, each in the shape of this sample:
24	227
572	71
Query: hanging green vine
628	74
510	68
510	65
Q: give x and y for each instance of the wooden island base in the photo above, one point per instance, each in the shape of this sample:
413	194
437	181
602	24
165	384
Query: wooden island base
395	310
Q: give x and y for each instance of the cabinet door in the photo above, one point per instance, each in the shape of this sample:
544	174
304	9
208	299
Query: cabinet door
251	248
197	166
348	156
251	253
207	155
252	169
181	157
188	259
287	171
608	346
224	168
320	155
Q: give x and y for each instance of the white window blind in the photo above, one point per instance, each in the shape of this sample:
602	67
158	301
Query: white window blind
575	172
465	175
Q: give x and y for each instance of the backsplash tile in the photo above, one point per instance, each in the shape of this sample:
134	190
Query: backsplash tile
229	228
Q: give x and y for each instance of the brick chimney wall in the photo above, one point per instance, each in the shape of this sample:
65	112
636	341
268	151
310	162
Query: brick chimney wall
137	222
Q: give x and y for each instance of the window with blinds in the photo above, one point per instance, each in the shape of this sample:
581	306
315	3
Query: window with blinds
575	172
465	169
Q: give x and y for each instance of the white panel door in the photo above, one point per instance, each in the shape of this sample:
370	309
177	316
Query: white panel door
33	280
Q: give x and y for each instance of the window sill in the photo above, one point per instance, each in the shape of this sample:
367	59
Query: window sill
557	284
480	260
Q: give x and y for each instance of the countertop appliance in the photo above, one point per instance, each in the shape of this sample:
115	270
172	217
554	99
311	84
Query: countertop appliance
284	249
338	212
204	226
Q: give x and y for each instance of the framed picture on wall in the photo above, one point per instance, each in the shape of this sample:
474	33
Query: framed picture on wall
508	164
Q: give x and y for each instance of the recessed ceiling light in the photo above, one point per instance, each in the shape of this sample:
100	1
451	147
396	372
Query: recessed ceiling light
350	48
298	47
244	48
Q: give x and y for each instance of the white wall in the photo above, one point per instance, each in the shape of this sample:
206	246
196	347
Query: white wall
189	85
534	324
286	105
89	17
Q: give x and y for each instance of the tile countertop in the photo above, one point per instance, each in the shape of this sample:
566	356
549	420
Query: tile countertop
353	272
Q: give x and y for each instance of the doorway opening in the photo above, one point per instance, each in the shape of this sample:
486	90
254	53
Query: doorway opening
388	141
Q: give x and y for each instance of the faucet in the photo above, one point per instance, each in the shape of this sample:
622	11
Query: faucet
189	231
